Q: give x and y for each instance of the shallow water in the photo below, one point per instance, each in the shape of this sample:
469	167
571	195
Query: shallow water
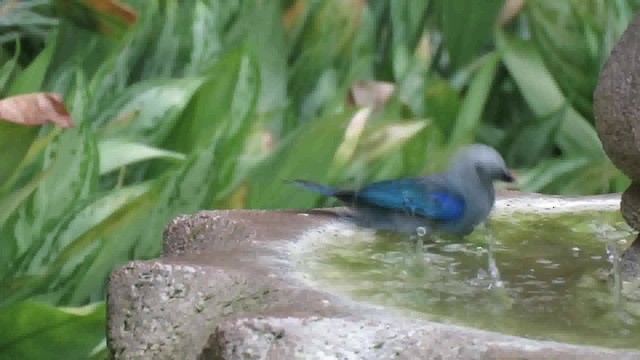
555	270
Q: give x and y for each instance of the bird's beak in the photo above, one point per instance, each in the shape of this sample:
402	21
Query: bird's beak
508	177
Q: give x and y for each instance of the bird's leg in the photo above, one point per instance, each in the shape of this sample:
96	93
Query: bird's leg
494	272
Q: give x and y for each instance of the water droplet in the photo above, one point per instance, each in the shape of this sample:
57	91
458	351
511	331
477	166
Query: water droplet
482	274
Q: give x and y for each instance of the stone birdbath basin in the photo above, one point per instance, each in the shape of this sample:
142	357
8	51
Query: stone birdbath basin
247	284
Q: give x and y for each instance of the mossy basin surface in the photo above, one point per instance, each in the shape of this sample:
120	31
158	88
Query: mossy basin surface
556	270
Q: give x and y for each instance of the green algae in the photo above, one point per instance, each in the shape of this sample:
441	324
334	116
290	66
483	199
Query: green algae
555	269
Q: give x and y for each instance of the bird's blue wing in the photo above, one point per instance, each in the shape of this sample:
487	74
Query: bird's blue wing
414	196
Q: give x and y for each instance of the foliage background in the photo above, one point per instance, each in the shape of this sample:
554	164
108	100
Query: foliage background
197	104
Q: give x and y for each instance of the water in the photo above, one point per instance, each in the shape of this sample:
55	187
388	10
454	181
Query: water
555	276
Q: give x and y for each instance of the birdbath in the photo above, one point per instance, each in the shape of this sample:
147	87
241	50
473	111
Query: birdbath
293	283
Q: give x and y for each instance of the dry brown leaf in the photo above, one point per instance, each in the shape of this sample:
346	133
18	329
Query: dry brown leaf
114	8
35	109
370	93
292	14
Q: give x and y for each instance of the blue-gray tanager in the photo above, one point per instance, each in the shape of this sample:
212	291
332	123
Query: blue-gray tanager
454	201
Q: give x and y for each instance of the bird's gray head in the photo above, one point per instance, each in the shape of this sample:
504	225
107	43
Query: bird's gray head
484	160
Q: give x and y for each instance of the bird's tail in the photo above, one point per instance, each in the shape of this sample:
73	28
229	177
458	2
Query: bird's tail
313	186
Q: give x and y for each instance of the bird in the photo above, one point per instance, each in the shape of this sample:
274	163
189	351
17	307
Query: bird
454	201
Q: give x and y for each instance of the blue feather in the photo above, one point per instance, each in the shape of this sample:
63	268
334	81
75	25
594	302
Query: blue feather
416	197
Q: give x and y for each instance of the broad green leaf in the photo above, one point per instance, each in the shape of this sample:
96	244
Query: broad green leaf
576	135
467	26
307	154
229	93
148	111
136	228
119	228
79	236
15	141
442	104
530	74
266	39
223	111
474	101
535	140
115	154
9	202
407	26
206	36
548	171
72	162
32	77
18	288
6	71
34	330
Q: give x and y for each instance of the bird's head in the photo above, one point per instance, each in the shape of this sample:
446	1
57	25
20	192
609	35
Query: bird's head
486	161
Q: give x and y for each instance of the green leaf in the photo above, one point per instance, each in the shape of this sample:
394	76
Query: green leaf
223	111
307	154
32	77
15	141
110	227
115	154
148	111
72	160
18	288
467	26
267	41
549	171
80	235
11	201
442	104
136	228
38	331
576	135
474	101
6	71
229	93
407	26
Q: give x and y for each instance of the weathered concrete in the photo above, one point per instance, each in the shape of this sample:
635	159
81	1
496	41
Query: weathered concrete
616	102
377	338
227	287
616	106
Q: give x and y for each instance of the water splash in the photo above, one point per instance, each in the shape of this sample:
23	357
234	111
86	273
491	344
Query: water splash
614	259
492	267
554	270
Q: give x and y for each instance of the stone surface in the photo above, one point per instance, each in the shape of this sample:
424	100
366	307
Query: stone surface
378	338
630	205
228	288
617	102
630	262
616	106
